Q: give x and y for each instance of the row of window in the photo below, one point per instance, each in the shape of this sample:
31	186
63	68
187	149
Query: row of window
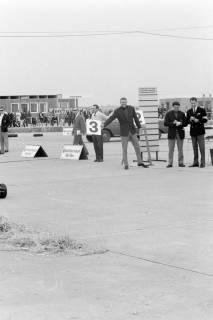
33	107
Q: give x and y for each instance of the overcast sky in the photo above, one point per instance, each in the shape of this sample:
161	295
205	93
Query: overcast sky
106	68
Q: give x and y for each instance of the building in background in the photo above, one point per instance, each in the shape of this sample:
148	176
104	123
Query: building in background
35	104
205	101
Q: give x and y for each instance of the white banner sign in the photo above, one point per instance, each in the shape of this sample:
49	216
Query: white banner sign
67	131
70	152
93	127
33	151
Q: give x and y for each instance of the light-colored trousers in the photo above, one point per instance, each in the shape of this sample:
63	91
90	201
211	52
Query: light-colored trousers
4	141
199	141
134	139
171	143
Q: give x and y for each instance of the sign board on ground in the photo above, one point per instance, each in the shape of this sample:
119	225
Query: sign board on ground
33	151
67	131
70	152
93	127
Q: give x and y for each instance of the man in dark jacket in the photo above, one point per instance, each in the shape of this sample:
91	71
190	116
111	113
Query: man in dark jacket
126	116
196	117
176	121
4	124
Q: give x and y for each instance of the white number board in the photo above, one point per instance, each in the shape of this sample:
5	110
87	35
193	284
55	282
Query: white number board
70	152
67	131
93	127
140	116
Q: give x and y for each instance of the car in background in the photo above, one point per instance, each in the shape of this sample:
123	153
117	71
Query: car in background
113	130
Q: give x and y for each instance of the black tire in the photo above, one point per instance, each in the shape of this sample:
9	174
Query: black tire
3	191
12	135
38	135
106	135
89	138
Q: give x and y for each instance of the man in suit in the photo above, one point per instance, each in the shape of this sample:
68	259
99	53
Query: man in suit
4	124
126	116
79	130
196	117
98	139
175	120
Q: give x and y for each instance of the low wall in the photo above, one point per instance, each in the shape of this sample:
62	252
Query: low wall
34	129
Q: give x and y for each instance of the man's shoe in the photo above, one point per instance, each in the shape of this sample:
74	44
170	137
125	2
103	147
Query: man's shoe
169	166
95	160
126	167
101	160
194	165
6	151
142	165
202	166
182	165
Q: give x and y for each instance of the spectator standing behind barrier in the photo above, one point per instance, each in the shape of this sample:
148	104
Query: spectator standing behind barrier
98	139
176	121
79	130
4	124
196	117
126	116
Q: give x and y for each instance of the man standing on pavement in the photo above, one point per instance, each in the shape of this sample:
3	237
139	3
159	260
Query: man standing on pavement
98	139
126	116
176	121
196	117
4	124
79	130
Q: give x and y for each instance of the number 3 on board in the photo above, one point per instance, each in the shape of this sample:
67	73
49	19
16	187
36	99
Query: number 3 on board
93	127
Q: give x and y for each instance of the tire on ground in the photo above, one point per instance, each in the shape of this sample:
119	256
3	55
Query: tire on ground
3	190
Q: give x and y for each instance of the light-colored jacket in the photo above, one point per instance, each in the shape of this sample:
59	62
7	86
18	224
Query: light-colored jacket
79	125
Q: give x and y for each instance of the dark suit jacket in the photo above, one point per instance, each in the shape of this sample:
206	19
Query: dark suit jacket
170	117
126	123
79	124
197	129
5	123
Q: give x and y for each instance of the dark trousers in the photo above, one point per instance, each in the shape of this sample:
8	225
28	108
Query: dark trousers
171	143
98	146
199	141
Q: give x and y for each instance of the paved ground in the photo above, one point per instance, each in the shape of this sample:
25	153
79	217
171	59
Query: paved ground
157	224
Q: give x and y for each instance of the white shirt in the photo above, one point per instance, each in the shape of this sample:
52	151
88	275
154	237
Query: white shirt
1	117
99	116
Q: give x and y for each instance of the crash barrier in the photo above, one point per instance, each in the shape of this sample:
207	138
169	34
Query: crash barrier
12	135
3	190
38	135
148	103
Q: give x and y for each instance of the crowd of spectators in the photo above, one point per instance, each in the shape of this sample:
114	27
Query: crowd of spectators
21	119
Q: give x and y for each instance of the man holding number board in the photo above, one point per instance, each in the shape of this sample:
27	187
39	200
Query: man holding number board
127	116
97	138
